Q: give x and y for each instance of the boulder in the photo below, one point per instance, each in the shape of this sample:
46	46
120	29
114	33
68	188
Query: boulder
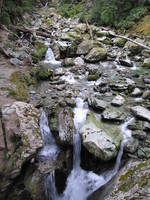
62	125
118	100
146	63
125	62
98	139
84	47
23	139
132	182
120	42
146	94
96	54
134	48
141	112
113	115
97	103
79	61
139	134
136	92
131	145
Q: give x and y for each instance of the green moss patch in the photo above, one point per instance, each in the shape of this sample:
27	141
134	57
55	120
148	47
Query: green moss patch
22	81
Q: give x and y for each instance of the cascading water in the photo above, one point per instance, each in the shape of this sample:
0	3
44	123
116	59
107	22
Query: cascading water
50	58
80	183
50	149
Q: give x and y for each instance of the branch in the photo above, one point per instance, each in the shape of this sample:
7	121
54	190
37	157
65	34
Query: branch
129	39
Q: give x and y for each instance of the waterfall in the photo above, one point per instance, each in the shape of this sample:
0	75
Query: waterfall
81	184
50	149
49	55
50	58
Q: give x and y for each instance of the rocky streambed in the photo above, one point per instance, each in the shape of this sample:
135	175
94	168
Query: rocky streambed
112	76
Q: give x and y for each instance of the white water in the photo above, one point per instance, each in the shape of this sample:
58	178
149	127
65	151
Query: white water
50	149
50	58
80	183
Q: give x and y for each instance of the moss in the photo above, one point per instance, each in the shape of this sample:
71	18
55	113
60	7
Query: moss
92	77
25	139
111	129
22	81
40	51
131	178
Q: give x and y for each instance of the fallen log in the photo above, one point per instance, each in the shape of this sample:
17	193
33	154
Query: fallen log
33	32
129	39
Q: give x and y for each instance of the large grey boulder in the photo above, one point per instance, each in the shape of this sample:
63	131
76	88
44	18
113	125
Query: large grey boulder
113	115
84	47
98	139
132	182
141	112
97	103
61	123
96	54
23	139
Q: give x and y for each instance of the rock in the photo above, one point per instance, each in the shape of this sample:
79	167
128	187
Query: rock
16	62
84	47
113	115
79	61
136	93
119	85
23	138
120	42
146	94
34	185
92	77
134	48
61	123
118	100
97	103
130	183
43	72
125	62
96	54
139	125
131	145
68	62
139	134
141	112
146	63
101	144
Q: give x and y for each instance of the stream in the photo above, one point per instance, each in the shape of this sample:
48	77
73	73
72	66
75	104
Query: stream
80	184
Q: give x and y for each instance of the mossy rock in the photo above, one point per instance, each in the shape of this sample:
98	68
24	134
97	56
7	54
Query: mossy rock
96	54
40	51
92	77
146	63
120	42
43	72
22	81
